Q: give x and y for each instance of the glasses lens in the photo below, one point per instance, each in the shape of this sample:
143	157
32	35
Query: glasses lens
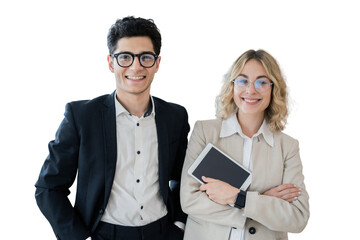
262	85
125	59
241	82
147	60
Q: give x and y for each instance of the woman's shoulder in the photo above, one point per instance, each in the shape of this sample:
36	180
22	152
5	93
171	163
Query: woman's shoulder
210	127
283	136
285	141
209	124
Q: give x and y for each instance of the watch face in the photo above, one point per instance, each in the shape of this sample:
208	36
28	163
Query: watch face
240	199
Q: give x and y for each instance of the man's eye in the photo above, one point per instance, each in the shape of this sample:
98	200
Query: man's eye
124	57
147	57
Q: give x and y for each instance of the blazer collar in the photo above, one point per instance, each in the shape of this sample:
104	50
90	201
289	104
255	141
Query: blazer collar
120	109
109	100
231	126
109	136
162	129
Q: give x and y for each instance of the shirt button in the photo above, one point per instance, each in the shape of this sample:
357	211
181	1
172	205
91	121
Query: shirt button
137	124
137	180
138	152
141	207
252	230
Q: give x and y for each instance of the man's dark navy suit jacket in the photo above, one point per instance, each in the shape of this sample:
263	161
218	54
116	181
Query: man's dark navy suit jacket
85	144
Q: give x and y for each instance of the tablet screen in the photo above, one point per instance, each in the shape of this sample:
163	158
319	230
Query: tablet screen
215	164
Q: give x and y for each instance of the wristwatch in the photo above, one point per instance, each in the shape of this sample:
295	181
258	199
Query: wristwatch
240	199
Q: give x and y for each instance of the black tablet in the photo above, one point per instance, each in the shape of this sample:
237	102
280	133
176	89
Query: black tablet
214	163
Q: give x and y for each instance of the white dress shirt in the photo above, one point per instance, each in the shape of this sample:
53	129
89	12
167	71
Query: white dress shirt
231	126
135	198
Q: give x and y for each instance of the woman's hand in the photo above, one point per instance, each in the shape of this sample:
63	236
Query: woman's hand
219	191
287	192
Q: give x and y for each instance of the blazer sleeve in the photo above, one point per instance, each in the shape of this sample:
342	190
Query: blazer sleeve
195	202
56	177
275	213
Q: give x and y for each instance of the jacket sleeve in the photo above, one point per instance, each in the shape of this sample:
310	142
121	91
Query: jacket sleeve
56	177
275	213
195	202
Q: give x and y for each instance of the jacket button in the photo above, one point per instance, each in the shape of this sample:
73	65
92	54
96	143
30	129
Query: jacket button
252	230
101	211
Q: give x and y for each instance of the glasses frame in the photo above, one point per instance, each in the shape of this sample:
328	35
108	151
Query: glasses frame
253	82
115	55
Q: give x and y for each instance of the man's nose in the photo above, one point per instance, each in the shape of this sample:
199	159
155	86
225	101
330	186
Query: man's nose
136	64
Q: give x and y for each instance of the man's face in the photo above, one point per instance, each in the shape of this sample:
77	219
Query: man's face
134	79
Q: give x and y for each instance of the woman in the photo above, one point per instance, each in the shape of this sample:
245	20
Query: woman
251	112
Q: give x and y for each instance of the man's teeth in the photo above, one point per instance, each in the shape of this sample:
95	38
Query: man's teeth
135	78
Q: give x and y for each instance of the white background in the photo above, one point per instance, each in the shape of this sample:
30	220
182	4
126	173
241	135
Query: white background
53	52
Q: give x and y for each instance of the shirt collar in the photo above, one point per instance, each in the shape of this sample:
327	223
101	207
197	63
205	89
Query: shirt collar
231	126
119	109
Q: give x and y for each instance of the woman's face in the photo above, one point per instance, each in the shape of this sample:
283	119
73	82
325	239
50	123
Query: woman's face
249	100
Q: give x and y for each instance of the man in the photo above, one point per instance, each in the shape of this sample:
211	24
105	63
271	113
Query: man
127	149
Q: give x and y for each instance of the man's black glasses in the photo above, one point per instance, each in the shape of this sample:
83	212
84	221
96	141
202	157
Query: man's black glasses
126	59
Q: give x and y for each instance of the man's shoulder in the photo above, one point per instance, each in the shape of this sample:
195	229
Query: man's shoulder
91	103
83	109
168	106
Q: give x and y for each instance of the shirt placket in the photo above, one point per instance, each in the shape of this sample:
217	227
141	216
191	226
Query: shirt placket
138	189
239	234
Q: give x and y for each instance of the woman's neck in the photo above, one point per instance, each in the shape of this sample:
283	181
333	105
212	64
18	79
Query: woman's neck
250	124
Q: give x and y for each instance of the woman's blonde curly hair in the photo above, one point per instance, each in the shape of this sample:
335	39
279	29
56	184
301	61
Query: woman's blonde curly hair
277	111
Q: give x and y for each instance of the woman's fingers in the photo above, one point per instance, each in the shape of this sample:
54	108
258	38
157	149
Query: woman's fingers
287	192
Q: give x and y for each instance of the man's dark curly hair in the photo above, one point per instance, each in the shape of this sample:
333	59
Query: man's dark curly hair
134	27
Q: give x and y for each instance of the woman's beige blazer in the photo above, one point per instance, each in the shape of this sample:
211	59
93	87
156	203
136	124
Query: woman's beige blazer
264	217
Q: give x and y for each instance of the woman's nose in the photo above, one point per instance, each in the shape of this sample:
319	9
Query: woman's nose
251	87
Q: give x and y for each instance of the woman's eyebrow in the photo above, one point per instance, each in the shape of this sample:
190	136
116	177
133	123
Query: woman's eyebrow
262	76
245	76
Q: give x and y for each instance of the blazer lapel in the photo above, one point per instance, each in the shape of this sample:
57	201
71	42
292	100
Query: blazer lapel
262	165
109	130
163	146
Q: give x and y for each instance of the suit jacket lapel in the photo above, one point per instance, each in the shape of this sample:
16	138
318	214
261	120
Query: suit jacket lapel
163	146
262	165
109	130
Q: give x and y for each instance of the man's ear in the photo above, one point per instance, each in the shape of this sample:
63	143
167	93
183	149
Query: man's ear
110	60
158	63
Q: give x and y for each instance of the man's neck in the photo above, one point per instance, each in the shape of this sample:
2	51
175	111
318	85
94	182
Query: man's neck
136	104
